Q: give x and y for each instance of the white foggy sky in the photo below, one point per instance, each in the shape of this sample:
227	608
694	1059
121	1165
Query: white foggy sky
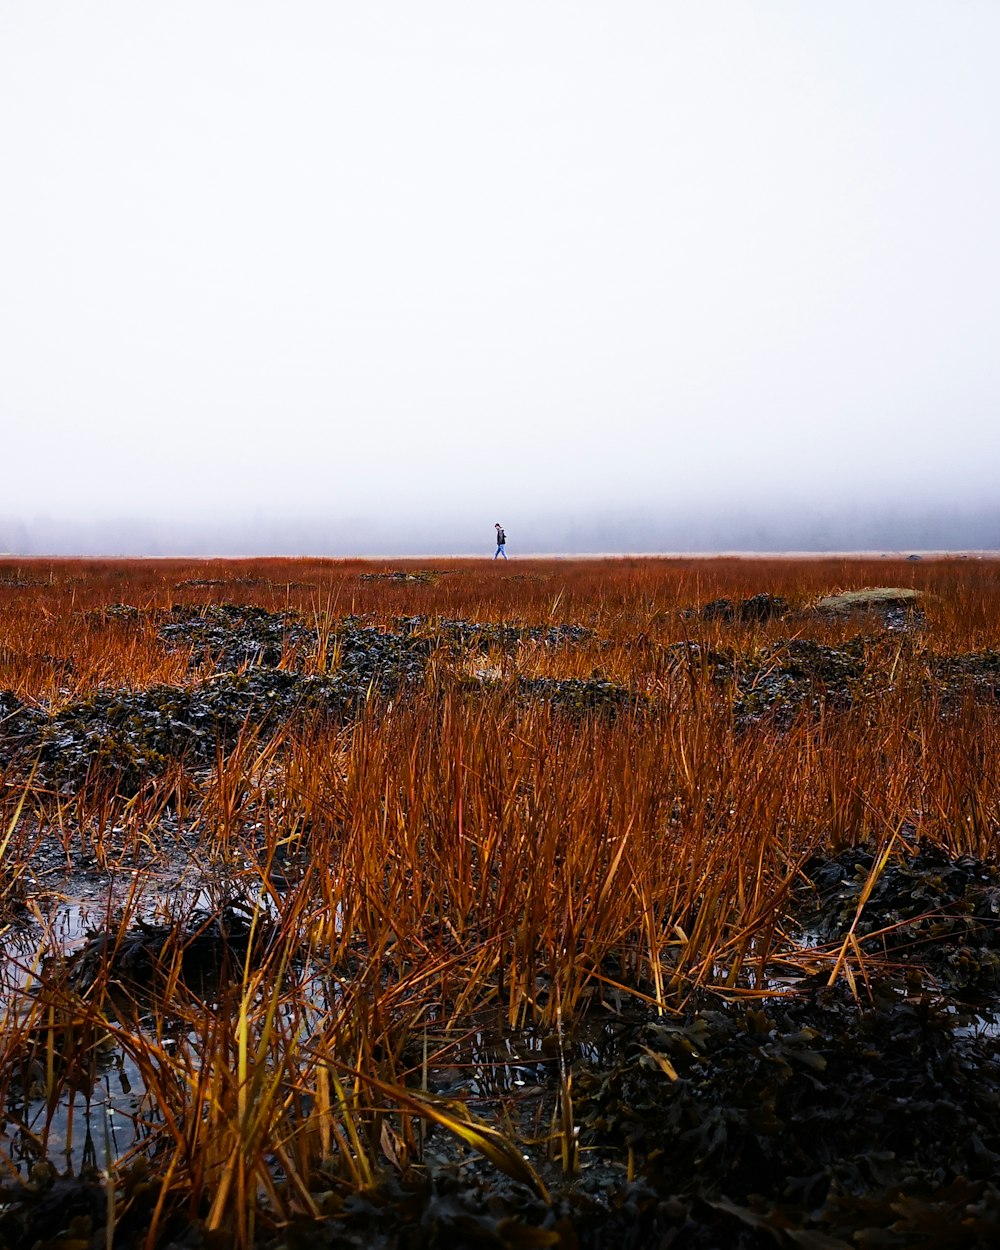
437	264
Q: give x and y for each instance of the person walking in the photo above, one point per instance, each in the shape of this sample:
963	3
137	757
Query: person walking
501	542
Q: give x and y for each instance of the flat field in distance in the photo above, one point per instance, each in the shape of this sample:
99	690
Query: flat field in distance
548	903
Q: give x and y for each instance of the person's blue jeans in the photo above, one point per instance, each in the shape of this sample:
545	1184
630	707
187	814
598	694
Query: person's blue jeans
500	552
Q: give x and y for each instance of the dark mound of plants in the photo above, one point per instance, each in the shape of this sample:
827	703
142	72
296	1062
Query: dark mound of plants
115	612
454	1211
781	680
415	1212
799	672
13	708
696	660
207	943
574	696
214	583
389	658
482	635
812	1113
51	1210
131	735
15	580
926	910
422	576
231	636
579	695
762	607
977	672
794	674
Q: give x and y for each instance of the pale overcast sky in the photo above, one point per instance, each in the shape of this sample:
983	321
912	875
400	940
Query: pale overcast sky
372	276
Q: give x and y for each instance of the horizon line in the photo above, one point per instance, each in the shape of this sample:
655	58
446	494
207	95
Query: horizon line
716	554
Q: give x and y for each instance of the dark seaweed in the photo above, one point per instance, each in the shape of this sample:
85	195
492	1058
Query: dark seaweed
581	695
206	943
977	672
814	1111
482	635
762	607
128	735
929	911
230	636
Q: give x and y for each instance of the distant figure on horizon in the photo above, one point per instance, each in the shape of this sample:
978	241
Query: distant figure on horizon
501	542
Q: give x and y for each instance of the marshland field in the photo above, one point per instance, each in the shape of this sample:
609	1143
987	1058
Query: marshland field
640	902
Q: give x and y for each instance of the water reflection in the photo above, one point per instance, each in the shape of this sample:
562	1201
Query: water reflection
75	1096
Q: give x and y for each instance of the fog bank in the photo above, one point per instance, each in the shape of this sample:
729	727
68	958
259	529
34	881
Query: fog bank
352	277
731	529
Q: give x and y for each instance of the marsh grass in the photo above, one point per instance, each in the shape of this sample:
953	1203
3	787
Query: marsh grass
453	854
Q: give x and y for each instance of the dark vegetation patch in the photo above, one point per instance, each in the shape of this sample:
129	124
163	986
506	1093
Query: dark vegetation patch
464	636
928	911
416	1212
778	681
230	636
572	696
795	674
977	672
903	619
421	576
762	607
132	735
581	694
791	675
126	612
216	583
810	1114
52	1211
817	1119
204	946
18	582
129	735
